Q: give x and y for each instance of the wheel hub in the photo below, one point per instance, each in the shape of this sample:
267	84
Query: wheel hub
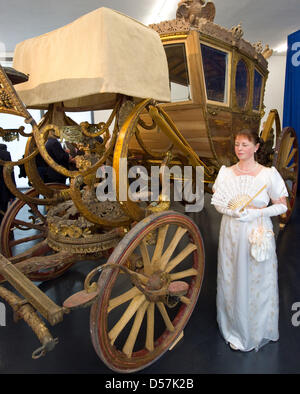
157	281
157	286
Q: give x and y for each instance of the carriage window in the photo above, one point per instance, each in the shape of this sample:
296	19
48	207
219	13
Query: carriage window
241	84
178	72
257	90
215	64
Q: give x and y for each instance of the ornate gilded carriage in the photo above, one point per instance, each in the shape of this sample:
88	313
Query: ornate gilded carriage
155	257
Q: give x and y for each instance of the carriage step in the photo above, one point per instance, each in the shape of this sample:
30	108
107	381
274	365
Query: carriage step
42	303
178	288
81	299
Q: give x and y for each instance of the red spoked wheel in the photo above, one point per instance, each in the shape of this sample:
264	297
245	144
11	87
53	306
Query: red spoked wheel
134	322
286	161
23	232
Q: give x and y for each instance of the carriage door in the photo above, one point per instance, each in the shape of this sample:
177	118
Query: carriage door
188	104
216	66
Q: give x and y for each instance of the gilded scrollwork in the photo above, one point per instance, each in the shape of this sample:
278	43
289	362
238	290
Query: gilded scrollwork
69	230
7	170
237	33
171	27
94	156
71	133
206	27
258	46
9	100
5	101
267	52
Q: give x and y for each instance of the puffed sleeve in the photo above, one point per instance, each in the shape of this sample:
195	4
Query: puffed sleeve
218	178
277	186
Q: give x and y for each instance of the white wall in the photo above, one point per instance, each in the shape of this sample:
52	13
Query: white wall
101	116
274	94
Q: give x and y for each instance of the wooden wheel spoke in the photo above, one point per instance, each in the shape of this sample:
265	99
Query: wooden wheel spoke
127	315
138	275
121	299
170	249
25	239
185	300
286	147
144	326
36	250
162	232
290	143
290	173
180	257
183	274
129	345
289	190
149	344
291	155
288	202
30	223
29	226
286	160
37	212
165	316
146	259
141	277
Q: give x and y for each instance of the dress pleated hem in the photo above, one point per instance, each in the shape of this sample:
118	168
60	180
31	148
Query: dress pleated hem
237	344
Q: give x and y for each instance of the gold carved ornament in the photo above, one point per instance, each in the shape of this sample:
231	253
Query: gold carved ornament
40	136
7	170
10	102
76	196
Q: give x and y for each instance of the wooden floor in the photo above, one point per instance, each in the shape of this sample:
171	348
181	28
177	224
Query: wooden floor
201	351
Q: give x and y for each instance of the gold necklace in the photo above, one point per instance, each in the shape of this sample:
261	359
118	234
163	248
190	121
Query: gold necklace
245	171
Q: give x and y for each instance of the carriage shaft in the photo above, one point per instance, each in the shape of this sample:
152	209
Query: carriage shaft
27	313
48	309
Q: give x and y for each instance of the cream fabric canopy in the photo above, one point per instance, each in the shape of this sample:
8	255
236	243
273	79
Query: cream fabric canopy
87	62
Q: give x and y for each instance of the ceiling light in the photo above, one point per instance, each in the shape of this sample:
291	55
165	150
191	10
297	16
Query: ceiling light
161	10
281	48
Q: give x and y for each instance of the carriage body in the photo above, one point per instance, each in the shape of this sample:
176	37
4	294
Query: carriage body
217	87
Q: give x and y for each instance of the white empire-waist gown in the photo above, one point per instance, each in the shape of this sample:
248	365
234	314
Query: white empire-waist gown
247	290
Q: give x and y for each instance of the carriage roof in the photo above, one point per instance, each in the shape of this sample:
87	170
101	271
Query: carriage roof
223	56
87	62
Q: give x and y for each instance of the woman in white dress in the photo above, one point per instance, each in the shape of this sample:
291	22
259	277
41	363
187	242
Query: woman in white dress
247	290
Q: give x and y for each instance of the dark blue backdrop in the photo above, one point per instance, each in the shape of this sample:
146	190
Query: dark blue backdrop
291	109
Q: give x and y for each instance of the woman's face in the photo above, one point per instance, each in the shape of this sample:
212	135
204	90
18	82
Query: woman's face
244	148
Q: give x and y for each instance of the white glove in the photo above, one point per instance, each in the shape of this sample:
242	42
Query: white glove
274	210
250	215
229	212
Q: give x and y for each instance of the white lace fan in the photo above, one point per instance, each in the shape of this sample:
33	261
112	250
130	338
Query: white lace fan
236	192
